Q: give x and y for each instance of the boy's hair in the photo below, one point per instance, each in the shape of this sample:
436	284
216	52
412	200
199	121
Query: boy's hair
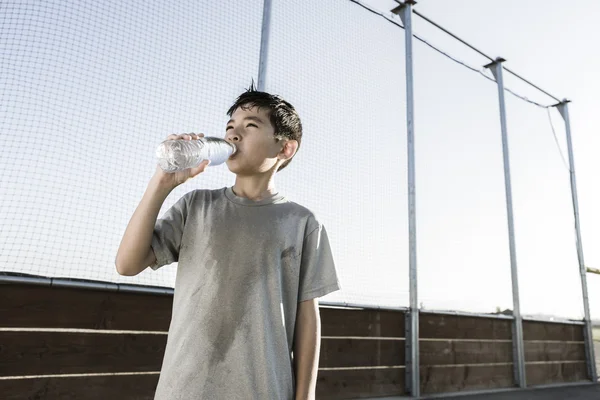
282	114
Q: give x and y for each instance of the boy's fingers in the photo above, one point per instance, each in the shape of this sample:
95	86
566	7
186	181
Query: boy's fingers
185	136
200	168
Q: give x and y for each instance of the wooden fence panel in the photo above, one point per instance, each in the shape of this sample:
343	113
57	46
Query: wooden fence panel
448	352
554	351
459	353
371	323
456	378
462	327
31	306
360	383
361	353
555	372
124	387
535	330
46	353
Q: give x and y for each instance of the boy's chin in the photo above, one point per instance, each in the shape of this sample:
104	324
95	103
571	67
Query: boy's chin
232	165
238	169
243	170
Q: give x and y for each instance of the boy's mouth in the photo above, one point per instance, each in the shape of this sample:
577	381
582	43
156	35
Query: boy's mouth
236	150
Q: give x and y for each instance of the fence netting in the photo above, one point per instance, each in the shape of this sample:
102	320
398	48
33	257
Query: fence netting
89	89
344	69
549	276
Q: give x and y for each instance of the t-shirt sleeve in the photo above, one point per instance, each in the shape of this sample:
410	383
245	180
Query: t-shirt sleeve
168	232
318	276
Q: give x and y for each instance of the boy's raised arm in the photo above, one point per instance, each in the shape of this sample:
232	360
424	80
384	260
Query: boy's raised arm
135	252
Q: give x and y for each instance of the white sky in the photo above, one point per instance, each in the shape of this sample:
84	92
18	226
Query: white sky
103	84
552	44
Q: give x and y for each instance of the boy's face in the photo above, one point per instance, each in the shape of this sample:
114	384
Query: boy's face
250	129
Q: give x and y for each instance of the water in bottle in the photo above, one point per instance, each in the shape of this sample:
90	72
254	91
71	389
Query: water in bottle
177	155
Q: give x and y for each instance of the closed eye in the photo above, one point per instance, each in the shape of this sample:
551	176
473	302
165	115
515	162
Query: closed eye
231	127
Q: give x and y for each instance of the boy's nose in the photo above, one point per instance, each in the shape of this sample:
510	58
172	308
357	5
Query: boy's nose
233	138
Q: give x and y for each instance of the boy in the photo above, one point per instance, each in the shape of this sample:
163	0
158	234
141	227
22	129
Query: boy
251	265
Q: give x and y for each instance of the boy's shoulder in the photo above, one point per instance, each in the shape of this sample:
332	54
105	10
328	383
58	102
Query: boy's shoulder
299	208
303	213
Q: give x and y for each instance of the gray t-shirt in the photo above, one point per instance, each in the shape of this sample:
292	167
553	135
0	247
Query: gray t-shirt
243	267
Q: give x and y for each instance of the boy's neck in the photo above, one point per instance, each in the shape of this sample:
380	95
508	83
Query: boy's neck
256	188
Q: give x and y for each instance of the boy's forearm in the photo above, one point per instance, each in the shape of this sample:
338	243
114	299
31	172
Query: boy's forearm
307	343
137	238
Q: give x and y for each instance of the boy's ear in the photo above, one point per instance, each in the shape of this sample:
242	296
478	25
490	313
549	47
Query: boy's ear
288	150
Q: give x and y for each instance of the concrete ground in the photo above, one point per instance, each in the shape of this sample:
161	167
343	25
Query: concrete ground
584	392
573	392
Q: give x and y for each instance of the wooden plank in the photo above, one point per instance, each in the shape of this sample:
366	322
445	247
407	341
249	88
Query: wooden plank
461	327
131	387
448	352
378	323
461	378
554	351
52	307
541	374
33	306
359	383
45	353
535	330
361	352
331	385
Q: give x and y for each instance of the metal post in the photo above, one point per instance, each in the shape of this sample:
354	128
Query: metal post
264	45
412	316
518	348
589	343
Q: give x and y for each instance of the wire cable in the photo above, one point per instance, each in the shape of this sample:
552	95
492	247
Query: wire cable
556	140
479	71
480	52
419	38
453	35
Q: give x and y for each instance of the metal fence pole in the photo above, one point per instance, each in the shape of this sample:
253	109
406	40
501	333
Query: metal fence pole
264	45
589	341
518	348
412	316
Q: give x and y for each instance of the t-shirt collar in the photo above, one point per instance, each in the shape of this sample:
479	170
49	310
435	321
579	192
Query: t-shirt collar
244	201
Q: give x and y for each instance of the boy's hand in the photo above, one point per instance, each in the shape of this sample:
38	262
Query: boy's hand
172	180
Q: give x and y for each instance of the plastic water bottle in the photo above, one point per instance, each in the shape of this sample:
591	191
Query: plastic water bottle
177	155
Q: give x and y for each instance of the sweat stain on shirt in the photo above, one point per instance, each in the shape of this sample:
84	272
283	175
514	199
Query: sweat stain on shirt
243	267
